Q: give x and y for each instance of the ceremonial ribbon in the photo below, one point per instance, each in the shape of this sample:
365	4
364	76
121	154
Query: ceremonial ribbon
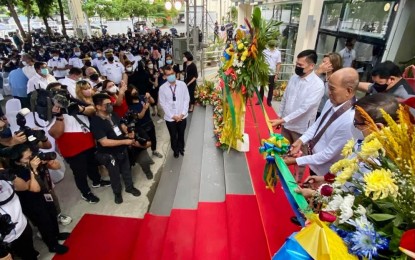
229	98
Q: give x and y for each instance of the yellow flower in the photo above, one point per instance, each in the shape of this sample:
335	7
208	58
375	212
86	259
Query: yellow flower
348	148
381	184
347	172
243	58
343	163
370	149
241	46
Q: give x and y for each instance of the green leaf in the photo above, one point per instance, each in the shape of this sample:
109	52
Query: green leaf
385	204
381	217
398	220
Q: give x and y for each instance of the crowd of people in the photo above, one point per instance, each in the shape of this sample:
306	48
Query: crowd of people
104	95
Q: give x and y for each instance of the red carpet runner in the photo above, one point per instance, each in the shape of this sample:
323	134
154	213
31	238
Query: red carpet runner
274	207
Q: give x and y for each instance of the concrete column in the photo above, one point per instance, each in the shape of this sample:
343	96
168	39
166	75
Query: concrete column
75	9
244	11
308	27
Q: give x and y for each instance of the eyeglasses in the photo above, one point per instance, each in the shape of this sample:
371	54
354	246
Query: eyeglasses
356	123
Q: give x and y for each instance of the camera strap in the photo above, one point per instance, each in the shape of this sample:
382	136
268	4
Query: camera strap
81	122
9	198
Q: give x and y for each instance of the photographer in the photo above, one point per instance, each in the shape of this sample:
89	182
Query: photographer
15	231
117	96
80	154
36	195
112	143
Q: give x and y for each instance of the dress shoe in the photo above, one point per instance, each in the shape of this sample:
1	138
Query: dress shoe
176	155
182	152
118	198
63	235
135	192
59	249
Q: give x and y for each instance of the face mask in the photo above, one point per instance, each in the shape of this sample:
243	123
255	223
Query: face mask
77	54
184	59
94	77
356	133
109	108
169	62
380	87
111	59
86	93
44	72
6	133
14	61
129	69
24	63
150	66
62	52
55	57
299	71
41	53
113	90
99	55
171	78
88	64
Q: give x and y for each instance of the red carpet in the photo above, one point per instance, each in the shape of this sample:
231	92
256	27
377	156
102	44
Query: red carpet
211	238
102	237
180	235
274	207
246	234
149	243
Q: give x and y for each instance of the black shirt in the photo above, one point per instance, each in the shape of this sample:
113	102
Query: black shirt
102	128
191	72
146	122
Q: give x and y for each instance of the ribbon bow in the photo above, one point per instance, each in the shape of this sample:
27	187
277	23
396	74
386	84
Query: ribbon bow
275	145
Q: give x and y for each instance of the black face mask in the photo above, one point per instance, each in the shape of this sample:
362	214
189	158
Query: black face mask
88	64
110	59
380	87
299	71
94	77
6	133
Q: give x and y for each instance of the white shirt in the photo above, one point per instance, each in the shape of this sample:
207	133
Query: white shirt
98	62
14	209
348	56
76	62
113	71
59	63
174	108
300	102
29	71
71	84
272	57
328	149
37	80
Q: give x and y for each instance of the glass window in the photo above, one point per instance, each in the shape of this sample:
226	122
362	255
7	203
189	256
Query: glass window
289	39
367	18
295	14
285	13
325	45
331	15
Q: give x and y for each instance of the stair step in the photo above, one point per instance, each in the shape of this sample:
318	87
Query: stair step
150	239
245	231
212	183
166	190
211	239
237	178
179	239
187	192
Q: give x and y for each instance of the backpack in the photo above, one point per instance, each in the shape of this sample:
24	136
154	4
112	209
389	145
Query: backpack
41	102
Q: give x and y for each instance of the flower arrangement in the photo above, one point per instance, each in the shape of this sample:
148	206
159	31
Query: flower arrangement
204	93
279	90
371	202
243	69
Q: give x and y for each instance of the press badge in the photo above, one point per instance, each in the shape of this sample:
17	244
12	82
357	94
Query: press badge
48	197
117	131
173	105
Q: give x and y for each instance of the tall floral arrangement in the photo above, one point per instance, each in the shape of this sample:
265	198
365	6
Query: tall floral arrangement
371	203
243	69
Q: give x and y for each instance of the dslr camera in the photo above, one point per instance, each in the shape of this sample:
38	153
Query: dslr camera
33	136
130	120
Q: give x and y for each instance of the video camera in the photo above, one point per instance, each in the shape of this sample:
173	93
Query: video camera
130	120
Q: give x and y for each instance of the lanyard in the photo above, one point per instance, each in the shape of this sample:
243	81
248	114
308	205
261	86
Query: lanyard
173	92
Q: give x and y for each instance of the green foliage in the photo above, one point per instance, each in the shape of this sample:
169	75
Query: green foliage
102	8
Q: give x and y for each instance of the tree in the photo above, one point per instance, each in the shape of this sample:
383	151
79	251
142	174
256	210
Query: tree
102	8
11	4
45	8
133	8
62	15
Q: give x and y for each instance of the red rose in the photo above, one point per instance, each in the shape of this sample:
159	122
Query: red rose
327	217
326	190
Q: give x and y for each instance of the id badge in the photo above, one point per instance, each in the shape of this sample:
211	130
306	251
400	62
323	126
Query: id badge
173	106
48	197
117	131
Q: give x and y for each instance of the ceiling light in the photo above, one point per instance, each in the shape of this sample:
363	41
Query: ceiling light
168	6
178	5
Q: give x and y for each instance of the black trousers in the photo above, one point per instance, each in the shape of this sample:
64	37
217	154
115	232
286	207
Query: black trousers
117	164
176	131
152	135
23	245
271	86
83	165
192	88
43	215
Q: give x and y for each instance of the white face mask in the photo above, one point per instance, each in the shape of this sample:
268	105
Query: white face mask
129	69
77	54
24	63
113	89
357	134
55	57
150	66
99	55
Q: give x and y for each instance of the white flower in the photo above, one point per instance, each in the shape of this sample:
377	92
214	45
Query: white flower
346	208
361	222
360	210
335	203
